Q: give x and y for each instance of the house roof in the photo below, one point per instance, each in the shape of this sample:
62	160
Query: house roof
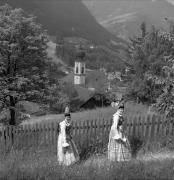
83	93
95	97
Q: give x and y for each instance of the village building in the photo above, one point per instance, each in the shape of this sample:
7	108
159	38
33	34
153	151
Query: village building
79	73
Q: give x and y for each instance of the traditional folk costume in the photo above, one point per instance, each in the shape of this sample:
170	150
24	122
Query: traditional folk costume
118	147
67	152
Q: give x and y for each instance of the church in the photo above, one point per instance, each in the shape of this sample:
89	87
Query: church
89	84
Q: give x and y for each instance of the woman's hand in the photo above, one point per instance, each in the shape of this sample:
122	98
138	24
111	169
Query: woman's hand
124	139
65	145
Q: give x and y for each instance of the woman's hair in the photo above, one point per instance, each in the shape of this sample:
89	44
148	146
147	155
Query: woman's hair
121	106
67	115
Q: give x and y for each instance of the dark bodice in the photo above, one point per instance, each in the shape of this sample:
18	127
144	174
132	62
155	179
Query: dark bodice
120	121
68	130
68	133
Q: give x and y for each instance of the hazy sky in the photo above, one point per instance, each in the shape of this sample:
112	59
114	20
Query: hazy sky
172	1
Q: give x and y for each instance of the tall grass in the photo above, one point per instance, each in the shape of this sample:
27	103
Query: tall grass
42	164
19	165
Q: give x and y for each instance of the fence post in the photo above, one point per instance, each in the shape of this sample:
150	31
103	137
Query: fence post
22	137
3	139
134	126
55	133
76	133
108	126
163	130
12	135
52	133
167	126
26	135
38	133
81	132
139	126
131	126
29	135
84	133
172	131
143	126
92	135
103	133
128	130
158	125
34	136
87	133
95	128
49	135
170	127
147	127
153	126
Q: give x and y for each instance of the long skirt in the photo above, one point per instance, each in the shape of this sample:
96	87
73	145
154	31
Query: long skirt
67	155
118	150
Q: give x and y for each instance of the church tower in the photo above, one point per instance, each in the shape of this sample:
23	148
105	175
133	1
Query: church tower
79	69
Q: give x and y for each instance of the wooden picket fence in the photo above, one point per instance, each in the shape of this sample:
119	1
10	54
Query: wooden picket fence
86	134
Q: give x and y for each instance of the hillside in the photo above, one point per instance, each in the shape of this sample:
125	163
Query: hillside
123	18
66	18
70	19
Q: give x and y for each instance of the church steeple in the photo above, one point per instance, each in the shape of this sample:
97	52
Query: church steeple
79	68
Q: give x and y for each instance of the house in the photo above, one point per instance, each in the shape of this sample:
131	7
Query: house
97	100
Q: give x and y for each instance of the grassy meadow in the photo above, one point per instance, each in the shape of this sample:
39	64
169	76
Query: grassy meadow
131	109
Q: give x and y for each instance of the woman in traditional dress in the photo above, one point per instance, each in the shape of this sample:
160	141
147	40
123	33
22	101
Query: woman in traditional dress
118	147
67	153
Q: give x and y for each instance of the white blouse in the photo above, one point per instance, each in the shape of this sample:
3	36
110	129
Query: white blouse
117	133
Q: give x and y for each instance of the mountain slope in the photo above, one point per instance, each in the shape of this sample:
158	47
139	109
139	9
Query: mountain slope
123	18
64	17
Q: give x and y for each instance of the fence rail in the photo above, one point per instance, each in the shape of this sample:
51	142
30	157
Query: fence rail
86	134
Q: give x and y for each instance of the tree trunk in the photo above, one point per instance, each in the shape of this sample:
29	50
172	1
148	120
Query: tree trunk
12	120
12	111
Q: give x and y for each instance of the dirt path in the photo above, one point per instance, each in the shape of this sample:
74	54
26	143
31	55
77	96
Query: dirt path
52	53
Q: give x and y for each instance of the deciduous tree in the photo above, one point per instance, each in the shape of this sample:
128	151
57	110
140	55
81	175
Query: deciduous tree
24	65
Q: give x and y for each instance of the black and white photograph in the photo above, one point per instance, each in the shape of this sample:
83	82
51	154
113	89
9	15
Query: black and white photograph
86	89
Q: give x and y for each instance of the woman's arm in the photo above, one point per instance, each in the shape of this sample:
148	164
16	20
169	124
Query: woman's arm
114	127
58	129
63	131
